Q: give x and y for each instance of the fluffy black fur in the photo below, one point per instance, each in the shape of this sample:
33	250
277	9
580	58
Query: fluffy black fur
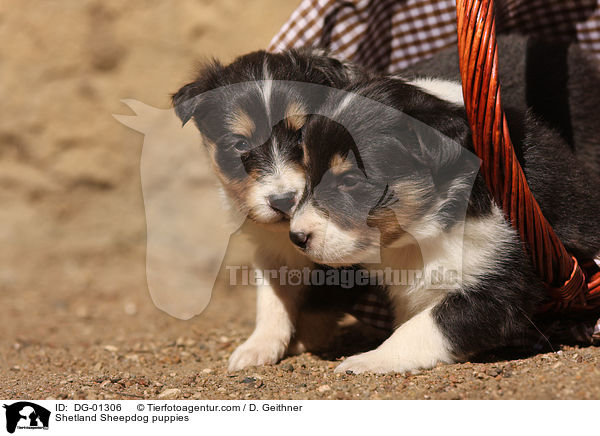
560	83
305	65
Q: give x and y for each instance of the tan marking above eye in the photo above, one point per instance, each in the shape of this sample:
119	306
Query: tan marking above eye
295	116
339	164
240	123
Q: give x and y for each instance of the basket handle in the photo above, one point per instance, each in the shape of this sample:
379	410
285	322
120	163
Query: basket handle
478	54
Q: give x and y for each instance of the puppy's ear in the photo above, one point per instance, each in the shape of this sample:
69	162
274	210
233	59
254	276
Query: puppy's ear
326	69
187	101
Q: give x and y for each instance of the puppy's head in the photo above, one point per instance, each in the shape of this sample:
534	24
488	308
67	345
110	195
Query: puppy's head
383	161
250	114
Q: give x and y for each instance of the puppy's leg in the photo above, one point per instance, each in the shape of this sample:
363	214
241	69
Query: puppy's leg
418	343
276	312
490	314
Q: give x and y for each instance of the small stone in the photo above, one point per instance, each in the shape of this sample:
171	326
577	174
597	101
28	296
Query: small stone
169	394
248	380
111	348
289	367
97	367
207	370
349	372
324	388
494	372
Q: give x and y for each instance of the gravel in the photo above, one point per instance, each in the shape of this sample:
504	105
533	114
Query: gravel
151	355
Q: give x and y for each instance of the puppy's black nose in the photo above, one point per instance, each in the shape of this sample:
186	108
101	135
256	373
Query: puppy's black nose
282	202
300	238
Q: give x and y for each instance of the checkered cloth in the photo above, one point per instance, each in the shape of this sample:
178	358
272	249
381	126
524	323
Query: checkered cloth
389	35
373	307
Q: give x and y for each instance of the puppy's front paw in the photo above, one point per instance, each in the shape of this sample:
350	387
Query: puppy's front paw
371	361
257	350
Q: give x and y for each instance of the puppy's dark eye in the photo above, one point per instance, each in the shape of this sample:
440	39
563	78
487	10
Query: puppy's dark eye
242	146
348	181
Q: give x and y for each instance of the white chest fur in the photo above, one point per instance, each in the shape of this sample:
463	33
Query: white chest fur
452	260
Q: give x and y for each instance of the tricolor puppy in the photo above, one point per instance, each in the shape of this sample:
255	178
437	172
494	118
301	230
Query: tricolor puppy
392	183
250	114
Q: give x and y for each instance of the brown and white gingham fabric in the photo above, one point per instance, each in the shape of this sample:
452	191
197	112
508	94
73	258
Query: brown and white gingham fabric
374	308
389	35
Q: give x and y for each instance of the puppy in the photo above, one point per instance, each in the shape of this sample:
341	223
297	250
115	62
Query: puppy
250	114
392	183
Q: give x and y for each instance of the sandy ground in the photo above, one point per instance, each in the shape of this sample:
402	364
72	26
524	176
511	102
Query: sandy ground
119	346
76	319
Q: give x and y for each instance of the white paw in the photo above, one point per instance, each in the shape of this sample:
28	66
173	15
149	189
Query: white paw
371	361
257	351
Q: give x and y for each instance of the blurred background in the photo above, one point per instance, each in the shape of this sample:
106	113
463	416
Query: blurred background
72	223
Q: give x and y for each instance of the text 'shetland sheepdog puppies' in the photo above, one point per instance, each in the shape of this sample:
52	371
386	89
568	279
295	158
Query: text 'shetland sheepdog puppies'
250	114
383	187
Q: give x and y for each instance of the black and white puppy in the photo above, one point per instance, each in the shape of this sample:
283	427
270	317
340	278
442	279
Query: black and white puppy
250	114
385	191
